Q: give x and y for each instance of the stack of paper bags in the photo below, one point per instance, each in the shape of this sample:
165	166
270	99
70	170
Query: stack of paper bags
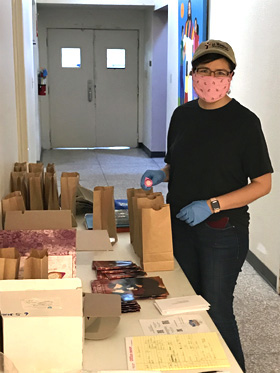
150	229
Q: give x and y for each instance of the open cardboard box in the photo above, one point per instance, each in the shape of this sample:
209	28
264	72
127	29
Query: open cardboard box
57	219
43	325
38	219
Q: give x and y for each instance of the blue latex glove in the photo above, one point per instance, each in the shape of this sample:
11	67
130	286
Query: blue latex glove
194	213
157	176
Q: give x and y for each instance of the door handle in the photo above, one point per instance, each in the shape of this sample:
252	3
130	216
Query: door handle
89	89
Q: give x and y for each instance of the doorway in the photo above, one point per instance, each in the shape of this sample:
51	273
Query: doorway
93	87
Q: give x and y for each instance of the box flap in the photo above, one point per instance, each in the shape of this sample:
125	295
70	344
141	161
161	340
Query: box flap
38	219
102	305
102	315
30	303
40	284
100	327
87	240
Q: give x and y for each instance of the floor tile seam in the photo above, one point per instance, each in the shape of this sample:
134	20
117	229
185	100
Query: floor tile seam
155	162
102	171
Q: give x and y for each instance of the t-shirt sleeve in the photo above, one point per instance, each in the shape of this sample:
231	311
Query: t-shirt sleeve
256	160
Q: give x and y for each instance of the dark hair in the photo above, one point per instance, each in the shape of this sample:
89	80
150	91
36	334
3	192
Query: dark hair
206	58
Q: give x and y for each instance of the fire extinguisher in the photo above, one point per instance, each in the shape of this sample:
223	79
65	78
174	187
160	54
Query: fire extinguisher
42	81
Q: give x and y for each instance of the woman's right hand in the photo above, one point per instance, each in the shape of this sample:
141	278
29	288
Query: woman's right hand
156	177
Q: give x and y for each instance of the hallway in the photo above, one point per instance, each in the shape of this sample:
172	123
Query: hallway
257	306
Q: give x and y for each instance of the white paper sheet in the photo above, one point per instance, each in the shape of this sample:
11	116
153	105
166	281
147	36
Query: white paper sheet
189	323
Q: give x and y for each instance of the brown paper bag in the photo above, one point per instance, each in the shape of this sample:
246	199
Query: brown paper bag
9	263
131	192
157	239
20	166
19	183
50	168
153	200
69	184
104	211
84	200
36	167
12	202
36	265
35	190
51	201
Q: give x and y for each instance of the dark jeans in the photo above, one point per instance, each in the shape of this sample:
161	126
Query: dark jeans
211	259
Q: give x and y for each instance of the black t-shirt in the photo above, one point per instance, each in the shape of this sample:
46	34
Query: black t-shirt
214	152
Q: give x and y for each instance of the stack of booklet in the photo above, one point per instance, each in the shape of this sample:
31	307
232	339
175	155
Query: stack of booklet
115	269
140	287
127	279
174	306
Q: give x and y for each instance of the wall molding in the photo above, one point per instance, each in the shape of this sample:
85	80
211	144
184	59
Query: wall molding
262	270
150	153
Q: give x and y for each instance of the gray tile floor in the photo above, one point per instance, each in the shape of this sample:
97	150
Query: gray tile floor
257	306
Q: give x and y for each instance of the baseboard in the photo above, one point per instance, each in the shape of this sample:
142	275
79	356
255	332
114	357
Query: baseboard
262	270
150	153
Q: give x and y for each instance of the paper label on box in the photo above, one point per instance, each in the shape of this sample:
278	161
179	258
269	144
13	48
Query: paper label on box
41	303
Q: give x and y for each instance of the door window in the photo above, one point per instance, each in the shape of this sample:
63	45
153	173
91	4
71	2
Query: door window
115	58
71	57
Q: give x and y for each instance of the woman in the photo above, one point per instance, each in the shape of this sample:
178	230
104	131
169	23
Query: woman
214	146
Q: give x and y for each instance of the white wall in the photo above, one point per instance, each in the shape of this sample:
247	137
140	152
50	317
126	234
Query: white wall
8	122
34	143
87	17
172	60
252	29
159	81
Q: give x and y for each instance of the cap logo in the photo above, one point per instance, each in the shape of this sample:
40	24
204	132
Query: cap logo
219	45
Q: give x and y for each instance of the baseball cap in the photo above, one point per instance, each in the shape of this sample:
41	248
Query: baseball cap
214	46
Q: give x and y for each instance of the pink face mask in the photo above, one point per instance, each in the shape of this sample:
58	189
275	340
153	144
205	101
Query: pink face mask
210	88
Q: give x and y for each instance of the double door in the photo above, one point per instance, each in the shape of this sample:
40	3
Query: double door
93	87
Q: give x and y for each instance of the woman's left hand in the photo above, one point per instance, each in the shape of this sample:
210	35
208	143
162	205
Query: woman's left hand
194	213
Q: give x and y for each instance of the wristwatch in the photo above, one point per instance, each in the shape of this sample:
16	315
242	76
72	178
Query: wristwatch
215	205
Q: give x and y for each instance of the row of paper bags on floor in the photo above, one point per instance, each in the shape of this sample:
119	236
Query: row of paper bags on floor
34	189
35	265
150	229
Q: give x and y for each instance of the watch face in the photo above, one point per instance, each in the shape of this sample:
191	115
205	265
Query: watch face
215	205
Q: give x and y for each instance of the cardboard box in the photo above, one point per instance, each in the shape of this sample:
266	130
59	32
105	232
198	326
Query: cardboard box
43	324
38	219
43	327
61	245
55	220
